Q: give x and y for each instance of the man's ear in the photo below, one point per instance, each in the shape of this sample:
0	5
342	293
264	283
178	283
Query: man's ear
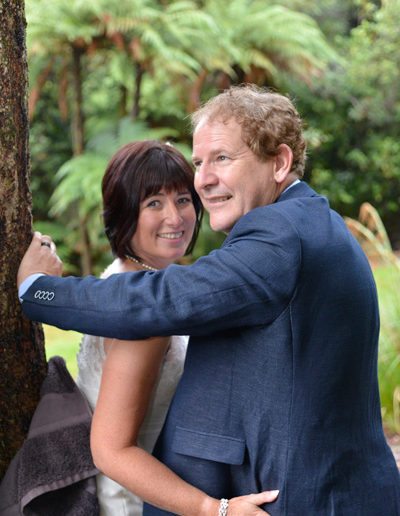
283	163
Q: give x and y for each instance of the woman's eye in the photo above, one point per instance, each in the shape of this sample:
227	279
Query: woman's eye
153	204
184	200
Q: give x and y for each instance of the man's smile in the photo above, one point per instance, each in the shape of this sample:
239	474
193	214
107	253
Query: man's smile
217	199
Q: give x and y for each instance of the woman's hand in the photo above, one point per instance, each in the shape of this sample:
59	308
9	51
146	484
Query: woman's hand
248	505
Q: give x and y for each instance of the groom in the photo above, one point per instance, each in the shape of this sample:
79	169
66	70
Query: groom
280	385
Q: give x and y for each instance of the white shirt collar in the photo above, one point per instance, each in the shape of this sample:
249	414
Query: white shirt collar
290	186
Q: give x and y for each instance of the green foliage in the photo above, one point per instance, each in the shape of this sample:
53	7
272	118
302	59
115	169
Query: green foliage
371	233
162	34
357	113
54	24
271	38
79	182
64	344
334	18
374	68
49	147
208	240
387	280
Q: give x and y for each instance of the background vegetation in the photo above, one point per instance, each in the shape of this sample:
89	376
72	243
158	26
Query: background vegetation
103	72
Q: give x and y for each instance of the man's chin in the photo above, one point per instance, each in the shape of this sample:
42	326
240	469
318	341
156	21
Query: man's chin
220	226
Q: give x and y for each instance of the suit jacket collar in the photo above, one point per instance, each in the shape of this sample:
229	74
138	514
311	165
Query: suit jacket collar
300	190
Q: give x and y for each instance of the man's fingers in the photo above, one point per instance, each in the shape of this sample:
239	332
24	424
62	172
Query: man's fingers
39	240
47	242
36	240
41	257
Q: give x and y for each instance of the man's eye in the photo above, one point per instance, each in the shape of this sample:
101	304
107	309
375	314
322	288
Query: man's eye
222	158
196	164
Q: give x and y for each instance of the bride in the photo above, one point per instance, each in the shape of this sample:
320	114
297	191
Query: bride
152	216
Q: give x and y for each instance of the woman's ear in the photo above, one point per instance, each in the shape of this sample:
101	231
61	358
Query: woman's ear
283	163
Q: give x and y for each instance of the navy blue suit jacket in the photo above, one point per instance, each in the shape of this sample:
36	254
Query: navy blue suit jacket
280	385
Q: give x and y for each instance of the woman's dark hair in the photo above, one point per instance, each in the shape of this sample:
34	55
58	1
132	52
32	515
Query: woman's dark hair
138	170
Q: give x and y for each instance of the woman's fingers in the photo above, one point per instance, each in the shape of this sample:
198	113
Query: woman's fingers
249	504
264	497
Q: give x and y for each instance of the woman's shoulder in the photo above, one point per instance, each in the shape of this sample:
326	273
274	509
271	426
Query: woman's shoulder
118	266
115	267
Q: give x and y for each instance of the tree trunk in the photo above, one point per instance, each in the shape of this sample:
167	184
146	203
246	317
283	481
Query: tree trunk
139	71
22	355
123	101
78	121
78	146
37	89
195	91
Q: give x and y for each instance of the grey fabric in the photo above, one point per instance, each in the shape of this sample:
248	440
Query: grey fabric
53	472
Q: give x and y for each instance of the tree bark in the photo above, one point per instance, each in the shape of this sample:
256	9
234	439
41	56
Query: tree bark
139	72
22	354
78	121
194	100
35	92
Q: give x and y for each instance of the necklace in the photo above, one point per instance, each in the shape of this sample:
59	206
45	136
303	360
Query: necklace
144	265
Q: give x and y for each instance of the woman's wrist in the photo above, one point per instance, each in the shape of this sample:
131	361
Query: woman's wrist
209	506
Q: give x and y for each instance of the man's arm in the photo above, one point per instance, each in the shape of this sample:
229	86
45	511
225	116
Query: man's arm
249	281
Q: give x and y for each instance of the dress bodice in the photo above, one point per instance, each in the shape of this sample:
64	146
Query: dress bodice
90	359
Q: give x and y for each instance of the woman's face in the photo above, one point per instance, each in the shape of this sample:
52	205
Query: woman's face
165	227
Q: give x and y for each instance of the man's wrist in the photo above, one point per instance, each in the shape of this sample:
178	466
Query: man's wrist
27	283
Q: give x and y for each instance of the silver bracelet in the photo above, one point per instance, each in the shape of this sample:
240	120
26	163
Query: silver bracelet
223	507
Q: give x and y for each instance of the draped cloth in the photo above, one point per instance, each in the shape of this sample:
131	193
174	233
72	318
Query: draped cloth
53	472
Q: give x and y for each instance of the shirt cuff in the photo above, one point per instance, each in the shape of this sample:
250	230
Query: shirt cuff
26	284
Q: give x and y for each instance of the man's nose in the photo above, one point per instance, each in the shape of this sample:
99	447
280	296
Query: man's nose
205	177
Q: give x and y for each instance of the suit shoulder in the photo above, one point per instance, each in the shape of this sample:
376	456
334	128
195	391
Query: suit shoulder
265	219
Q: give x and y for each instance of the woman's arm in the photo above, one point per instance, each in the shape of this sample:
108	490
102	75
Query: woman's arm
129	375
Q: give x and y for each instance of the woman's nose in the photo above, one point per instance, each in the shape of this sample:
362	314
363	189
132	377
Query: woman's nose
173	214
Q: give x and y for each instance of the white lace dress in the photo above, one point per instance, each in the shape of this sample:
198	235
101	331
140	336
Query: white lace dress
114	499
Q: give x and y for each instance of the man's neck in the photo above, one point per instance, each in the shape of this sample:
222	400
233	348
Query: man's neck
288	183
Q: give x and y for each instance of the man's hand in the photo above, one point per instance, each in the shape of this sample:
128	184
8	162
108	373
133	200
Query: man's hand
40	257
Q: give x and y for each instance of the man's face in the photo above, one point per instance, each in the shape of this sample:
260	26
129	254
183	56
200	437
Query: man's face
230	179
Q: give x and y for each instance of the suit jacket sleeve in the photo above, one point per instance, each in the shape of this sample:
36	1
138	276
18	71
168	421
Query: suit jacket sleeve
249	281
